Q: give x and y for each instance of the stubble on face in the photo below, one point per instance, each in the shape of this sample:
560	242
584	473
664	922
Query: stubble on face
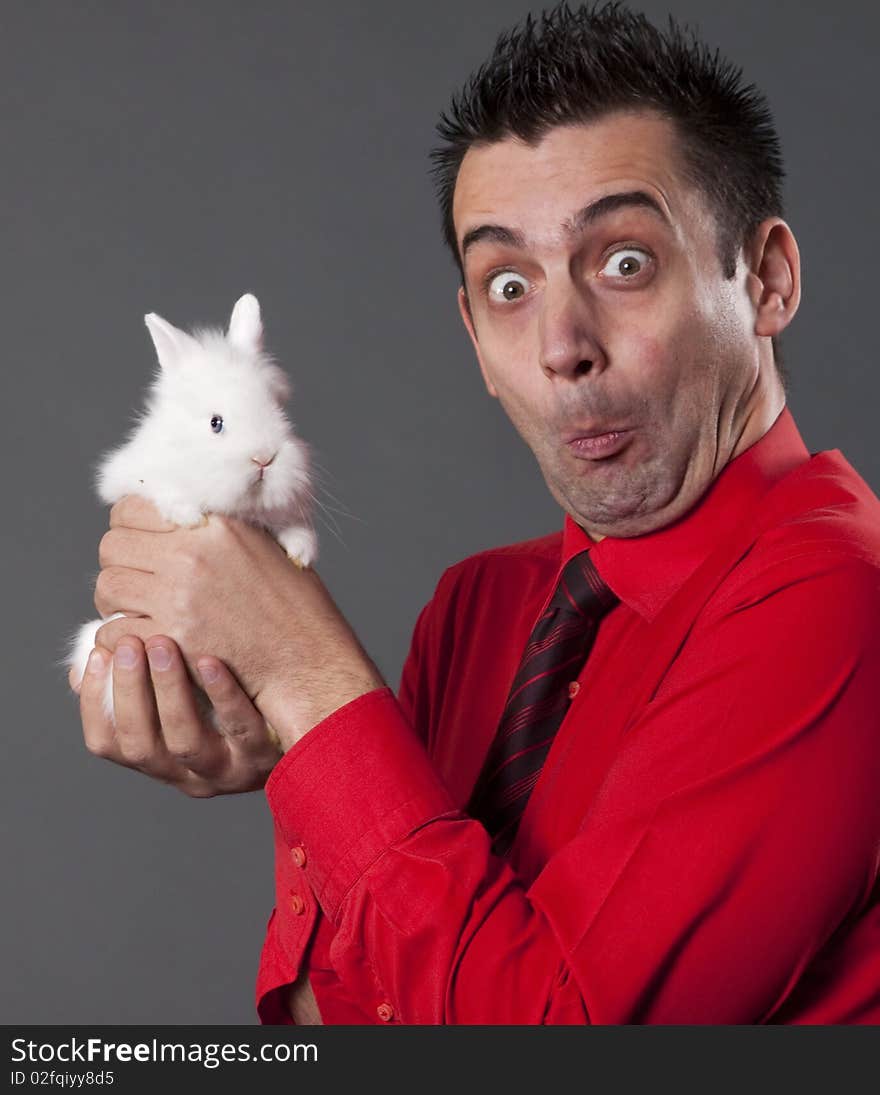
675	451
673	359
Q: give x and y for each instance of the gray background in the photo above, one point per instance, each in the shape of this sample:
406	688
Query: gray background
169	157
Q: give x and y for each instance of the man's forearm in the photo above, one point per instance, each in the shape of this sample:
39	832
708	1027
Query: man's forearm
301	1002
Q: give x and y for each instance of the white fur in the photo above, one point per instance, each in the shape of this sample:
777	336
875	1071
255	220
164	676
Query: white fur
175	460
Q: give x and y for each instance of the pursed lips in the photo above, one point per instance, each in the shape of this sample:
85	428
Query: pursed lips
591	431
597	444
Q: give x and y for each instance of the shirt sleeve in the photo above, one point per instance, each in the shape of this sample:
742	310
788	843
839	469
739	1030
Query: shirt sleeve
734	834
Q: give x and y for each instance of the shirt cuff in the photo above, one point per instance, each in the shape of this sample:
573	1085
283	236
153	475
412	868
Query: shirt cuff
350	788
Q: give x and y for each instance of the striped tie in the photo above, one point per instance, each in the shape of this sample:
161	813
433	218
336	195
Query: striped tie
539	698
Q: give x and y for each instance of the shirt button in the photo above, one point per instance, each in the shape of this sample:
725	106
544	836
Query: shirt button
298	855
573	688
297	904
385	1012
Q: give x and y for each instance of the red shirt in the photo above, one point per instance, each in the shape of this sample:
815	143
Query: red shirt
703	843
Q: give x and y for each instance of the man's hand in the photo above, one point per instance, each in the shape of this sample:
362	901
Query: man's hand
159	730
226	589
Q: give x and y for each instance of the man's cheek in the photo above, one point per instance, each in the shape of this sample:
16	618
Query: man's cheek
657	377
650	354
521	411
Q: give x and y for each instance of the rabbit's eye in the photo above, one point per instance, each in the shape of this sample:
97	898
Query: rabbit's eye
216	423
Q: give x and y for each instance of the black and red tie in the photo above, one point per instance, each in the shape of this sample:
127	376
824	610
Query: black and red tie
539	698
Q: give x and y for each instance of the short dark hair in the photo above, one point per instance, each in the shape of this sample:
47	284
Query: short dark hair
566	67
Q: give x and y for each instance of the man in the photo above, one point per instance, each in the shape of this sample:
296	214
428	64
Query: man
683	682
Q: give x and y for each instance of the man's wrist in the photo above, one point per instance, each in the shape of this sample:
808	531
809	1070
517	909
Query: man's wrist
293	712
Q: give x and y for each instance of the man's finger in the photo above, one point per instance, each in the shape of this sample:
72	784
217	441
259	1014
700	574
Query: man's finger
135	512
109	634
137	723
188	739
98	730
237	719
132	548
121	589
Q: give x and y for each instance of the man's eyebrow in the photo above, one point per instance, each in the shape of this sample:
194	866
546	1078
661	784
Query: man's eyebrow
494	232
601	207
610	203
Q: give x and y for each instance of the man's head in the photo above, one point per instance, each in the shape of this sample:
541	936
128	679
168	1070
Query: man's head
611	195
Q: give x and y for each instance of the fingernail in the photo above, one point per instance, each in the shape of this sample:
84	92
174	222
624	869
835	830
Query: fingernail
125	656
96	663
208	672
160	657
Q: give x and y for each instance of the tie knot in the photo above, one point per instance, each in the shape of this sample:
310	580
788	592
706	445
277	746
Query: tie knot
582	590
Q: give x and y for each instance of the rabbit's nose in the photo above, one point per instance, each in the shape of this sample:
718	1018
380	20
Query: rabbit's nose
263	460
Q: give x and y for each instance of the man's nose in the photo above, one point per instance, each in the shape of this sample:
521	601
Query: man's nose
569	344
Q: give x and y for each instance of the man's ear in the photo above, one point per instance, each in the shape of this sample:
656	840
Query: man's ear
775	276
468	320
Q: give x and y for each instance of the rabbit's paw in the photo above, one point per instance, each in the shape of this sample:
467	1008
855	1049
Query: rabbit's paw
301	545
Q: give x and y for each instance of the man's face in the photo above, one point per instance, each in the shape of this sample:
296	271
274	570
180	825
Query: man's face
608	318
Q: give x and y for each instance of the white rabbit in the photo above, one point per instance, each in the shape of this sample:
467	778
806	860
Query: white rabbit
214	439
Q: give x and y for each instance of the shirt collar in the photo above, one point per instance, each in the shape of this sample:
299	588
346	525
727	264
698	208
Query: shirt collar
645	571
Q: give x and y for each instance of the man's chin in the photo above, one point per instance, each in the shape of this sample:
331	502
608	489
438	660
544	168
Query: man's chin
627	518
621	516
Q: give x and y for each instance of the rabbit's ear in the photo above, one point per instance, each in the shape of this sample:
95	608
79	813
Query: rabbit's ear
245	325
171	344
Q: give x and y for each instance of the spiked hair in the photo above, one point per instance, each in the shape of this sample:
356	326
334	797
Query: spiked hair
569	66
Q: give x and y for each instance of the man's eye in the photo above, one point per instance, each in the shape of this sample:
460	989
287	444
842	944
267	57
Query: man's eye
625	263
507	286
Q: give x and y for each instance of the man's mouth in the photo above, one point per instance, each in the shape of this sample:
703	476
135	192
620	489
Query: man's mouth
597	444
